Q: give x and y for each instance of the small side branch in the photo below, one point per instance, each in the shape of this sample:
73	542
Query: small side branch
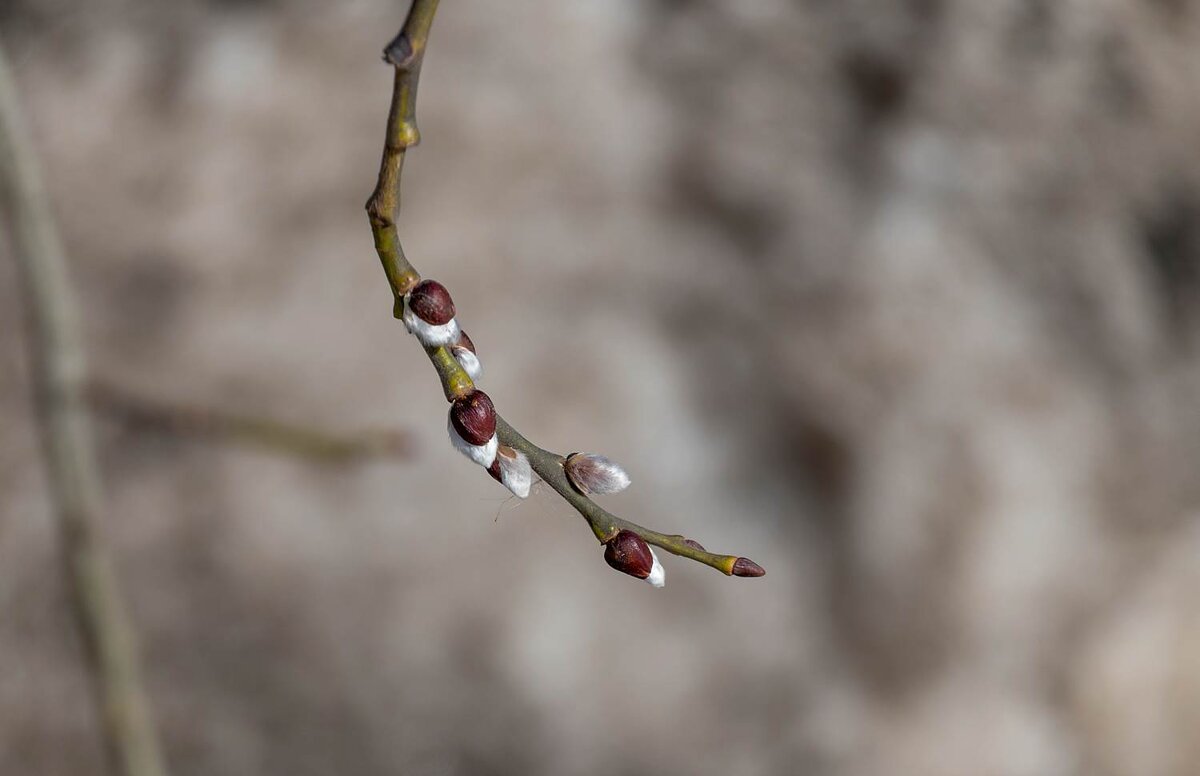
550	467
477	424
58	375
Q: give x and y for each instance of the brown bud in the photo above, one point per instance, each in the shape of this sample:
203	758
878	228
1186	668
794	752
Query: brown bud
464	342
627	552
474	417
431	302
695	545
494	470
744	567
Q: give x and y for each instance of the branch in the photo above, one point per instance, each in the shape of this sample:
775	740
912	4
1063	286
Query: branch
219	425
405	52
431	318
58	373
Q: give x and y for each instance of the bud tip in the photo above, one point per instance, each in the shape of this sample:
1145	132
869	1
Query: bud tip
744	567
431	301
428	312
474	417
628	553
472	427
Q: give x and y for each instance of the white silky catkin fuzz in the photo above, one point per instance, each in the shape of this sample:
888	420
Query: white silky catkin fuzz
429	334
592	473
481	454
516	474
469	362
658	575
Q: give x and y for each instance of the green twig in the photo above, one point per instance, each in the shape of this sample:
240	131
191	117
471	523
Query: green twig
58	379
549	466
406	52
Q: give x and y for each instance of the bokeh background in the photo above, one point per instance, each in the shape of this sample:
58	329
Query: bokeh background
898	299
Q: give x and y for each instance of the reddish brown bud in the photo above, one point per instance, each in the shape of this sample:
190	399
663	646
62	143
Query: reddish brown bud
464	341
431	302
628	553
494	470
744	567
474	417
695	545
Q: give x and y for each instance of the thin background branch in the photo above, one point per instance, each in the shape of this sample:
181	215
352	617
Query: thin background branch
58	390
300	440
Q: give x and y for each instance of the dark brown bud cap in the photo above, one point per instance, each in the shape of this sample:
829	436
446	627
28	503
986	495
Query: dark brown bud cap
744	567
464	341
474	417
628	553
431	302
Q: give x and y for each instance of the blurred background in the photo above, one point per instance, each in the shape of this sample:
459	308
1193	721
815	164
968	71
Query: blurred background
897	299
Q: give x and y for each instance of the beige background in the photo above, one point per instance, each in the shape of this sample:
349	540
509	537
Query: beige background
898	299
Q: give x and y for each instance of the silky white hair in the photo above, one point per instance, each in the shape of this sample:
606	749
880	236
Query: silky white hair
596	474
516	474
469	362
429	334
482	454
658	575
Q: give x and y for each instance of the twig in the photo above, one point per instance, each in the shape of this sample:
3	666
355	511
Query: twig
406	53
58	373
222	426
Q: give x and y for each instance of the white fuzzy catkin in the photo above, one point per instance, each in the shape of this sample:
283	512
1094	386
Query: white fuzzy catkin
429	334
468	361
658	575
516	474
481	454
592	473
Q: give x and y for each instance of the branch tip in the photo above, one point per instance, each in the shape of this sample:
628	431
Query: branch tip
744	567
630	554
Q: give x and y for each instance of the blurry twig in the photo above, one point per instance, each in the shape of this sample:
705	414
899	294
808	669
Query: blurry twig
58	375
266	433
